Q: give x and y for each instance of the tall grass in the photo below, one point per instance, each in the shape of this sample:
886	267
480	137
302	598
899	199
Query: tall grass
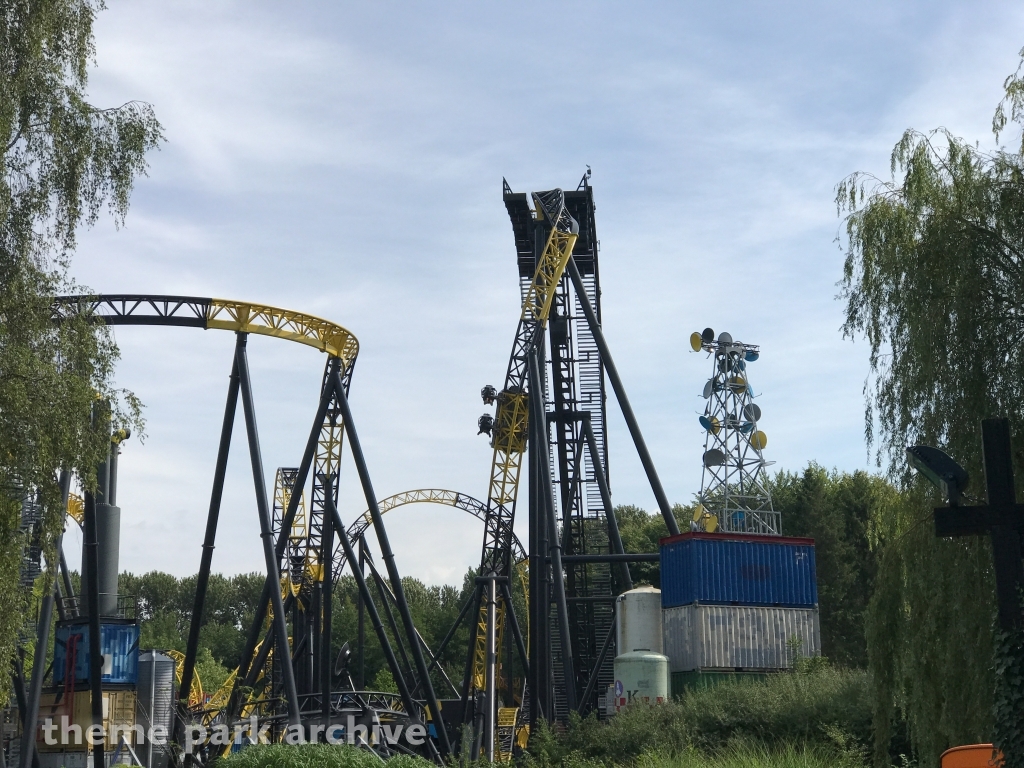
314	756
790	715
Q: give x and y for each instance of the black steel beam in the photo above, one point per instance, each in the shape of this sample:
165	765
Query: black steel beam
516	633
209	541
271	557
327	611
624	406
256	627
28	739
595	672
389	562
371	608
639	557
606	499
554	547
92	600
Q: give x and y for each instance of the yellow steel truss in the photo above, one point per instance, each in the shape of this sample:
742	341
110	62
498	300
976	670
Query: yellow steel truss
316	332
298	536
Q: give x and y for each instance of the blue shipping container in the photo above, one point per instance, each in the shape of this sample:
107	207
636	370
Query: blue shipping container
734	569
119	644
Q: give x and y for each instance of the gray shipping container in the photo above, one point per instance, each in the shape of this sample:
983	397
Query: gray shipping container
738	637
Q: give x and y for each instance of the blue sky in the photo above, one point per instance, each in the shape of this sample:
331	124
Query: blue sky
346	161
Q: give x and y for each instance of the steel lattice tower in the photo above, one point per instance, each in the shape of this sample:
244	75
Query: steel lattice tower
734	494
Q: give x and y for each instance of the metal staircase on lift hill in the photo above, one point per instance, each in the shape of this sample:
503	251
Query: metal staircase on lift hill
574	376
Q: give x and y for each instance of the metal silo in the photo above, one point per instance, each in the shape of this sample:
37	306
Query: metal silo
154	706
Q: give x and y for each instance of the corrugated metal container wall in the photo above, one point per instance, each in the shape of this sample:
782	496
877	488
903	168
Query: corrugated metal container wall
118	713
155	667
738	637
730	569
119	644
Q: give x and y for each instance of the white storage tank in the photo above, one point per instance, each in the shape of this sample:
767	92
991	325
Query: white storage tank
739	637
640	677
638	621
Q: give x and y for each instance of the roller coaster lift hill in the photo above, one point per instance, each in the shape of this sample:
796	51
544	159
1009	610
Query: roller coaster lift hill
550	413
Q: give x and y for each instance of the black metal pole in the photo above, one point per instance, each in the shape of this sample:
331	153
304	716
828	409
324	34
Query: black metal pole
389	562
327	612
594	673
538	607
451	632
1006	546
18	680
213	515
361	628
547	505
271	557
395	632
620	395
69	590
467	680
92	601
516	633
606	500
636	557
28	737
371	608
255	629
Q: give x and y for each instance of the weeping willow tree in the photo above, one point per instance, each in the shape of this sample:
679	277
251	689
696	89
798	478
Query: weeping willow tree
934	280
62	162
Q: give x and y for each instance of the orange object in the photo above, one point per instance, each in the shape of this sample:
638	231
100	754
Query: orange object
971	756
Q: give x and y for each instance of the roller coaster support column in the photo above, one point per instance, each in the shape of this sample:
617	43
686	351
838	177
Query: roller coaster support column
389	562
28	738
514	623
382	594
256	628
371	608
326	597
92	600
606	499
491	699
547	508
539	603
206	561
65	575
620	395
263	507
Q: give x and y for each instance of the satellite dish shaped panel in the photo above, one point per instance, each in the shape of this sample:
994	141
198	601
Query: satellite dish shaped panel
707	335
746	427
738	384
751	356
711	524
714	458
695	341
705	422
759	440
709	388
724	338
740	365
752	411
698	512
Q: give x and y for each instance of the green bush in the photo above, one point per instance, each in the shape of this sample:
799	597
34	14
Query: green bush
821	711
314	756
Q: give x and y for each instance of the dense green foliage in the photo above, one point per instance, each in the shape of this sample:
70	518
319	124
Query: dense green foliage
61	161
165	604
314	756
827	710
933	280
835	510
